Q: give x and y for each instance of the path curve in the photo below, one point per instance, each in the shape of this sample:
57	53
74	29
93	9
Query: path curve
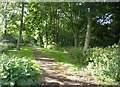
55	73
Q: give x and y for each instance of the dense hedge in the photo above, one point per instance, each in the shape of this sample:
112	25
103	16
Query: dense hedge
18	71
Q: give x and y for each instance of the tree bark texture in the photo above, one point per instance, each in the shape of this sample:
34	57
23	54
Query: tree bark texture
88	34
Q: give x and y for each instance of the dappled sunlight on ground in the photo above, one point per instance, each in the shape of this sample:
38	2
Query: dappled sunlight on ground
24	52
61	73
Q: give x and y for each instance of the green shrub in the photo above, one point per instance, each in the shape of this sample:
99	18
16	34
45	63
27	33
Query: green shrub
9	38
5	46
18	71
104	63
53	47
78	55
7	41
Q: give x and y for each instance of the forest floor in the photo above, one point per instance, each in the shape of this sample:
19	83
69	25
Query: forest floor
54	72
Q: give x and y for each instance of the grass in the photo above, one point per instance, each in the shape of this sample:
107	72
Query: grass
24	52
60	57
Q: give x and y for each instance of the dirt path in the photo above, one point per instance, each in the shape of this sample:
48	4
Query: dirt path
54	72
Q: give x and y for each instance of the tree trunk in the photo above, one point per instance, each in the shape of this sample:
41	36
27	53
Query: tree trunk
21	26
46	42
75	39
54	26
119	46
57	27
88	34
40	40
75	31
5	18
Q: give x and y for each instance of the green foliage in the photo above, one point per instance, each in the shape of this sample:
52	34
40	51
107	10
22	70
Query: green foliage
59	56
53	47
25	51
18	71
6	46
7	42
56	47
8	38
104	63
78	55
62	57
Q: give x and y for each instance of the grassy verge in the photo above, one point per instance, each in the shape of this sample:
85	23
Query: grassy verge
24	52
60	57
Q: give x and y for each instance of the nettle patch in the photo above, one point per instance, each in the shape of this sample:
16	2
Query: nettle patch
18	71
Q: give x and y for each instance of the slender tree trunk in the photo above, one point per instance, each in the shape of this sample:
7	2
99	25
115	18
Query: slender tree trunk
75	31
75	36
46	36
21	26
75	39
5	25
54	26
119	46
51	20
5	18
40	40
57	27
88	34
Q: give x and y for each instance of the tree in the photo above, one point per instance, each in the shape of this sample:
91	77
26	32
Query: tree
88	32
75	17
5	18
21	27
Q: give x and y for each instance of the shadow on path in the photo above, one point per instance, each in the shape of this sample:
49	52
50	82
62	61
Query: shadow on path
59	74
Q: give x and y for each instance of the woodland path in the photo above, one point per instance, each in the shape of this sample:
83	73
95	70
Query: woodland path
59	74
